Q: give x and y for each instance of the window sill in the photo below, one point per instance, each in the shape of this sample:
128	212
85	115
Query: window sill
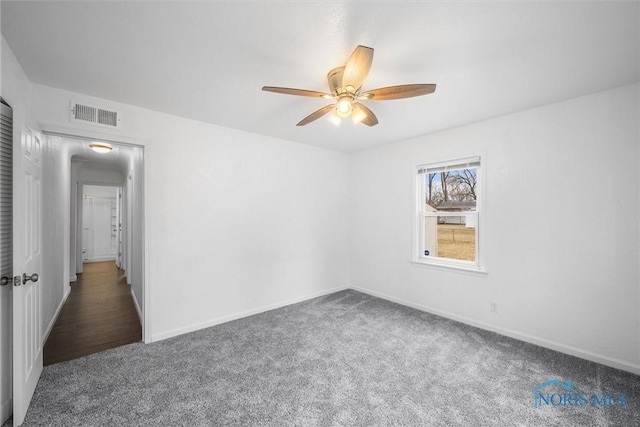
448	266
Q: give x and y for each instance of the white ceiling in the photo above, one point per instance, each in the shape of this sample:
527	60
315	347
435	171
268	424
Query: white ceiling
209	60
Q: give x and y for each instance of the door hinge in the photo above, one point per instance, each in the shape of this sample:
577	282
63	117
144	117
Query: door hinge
17	281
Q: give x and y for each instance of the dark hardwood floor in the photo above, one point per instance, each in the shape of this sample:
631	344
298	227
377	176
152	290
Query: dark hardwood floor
98	315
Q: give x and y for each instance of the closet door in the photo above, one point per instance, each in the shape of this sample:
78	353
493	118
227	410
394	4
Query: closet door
6	258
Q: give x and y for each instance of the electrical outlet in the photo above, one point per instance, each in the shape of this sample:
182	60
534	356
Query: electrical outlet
493	307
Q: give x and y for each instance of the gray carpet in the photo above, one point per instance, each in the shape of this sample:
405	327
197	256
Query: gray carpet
347	359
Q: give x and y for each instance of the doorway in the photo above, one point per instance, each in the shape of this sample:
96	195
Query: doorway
103	305
101	223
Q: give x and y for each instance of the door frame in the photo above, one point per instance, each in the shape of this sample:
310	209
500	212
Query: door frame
84	135
80	210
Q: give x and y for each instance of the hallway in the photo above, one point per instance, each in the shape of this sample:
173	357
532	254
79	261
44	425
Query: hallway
98	315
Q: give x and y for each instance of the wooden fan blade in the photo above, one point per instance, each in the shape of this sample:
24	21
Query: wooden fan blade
398	92
316	115
298	92
357	67
370	119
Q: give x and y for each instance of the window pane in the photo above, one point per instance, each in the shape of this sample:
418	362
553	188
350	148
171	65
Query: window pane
452	190
451	237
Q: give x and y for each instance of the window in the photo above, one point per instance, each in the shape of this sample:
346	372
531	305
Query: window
447	225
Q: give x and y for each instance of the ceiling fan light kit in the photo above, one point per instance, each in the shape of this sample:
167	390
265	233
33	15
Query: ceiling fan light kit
333	118
344	107
345	84
358	115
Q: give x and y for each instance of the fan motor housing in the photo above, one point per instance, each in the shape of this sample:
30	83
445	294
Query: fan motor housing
335	80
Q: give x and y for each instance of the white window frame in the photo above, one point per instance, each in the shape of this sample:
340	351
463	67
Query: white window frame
419	173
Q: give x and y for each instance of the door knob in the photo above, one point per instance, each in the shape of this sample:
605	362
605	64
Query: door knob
4	281
34	278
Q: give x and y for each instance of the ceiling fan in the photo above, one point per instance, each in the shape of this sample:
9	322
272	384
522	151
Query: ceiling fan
345	84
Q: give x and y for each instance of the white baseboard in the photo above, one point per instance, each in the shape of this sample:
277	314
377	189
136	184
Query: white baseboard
99	259
5	410
135	302
73	278
67	292
553	345
247	313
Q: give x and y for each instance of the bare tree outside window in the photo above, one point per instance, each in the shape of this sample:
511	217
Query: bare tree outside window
456	185
430	194
463	184
444	180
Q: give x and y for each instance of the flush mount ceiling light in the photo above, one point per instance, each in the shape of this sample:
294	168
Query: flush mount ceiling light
100	147
345	84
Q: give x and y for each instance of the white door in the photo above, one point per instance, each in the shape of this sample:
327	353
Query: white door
27	263
102	246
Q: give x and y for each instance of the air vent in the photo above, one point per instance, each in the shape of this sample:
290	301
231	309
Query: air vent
94	115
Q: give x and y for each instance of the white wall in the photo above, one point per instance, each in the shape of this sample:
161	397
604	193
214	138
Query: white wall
235	222
561	210
55	229
101	191
134	230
